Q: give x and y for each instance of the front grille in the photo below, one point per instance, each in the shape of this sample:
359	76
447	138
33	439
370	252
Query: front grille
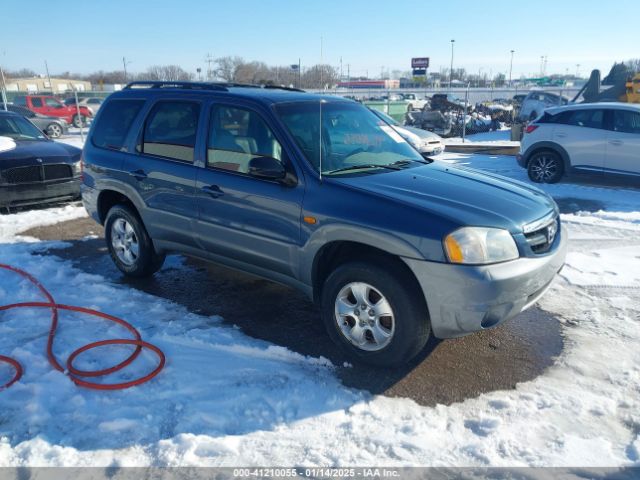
23	174
57	172
540	235
37	173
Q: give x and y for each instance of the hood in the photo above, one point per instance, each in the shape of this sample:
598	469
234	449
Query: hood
417	133
461	196
27	153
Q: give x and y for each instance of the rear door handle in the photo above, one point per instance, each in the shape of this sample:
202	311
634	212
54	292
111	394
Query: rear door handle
616	142
213	190
138	174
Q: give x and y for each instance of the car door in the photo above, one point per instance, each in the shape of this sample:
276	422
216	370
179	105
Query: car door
623	143
53	108
240	217
162	169
581	133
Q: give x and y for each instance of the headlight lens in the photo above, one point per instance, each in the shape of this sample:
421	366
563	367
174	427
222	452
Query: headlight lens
480	245
77	167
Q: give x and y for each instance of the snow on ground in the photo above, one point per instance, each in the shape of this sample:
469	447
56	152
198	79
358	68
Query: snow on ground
498	138
226	399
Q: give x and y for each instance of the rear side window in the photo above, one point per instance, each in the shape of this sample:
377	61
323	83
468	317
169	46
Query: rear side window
114	123
582	118
36	102
170	130
626	122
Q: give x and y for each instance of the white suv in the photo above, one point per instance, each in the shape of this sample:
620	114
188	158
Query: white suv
600	138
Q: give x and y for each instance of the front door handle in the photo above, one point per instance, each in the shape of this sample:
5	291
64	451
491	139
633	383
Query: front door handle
616	142
138	174
213	190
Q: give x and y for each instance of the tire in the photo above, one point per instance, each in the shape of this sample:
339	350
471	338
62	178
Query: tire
545	167
54	130
401	334
125	232
79	121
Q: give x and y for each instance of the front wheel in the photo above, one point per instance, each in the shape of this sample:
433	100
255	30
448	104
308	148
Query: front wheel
129	244
545	167
375	314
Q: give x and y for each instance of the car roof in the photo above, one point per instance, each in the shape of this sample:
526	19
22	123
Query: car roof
583	106
267	95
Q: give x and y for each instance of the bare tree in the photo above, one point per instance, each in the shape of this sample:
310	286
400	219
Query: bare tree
227	68
166	73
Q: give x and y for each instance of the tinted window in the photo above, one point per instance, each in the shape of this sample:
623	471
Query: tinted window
52	102
236	136
626	121
583	118
114	122
36	102
19	129
20	101
170	130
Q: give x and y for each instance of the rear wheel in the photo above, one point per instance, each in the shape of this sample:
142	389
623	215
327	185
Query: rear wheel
79	121
54	130
374	313
545	167
129	244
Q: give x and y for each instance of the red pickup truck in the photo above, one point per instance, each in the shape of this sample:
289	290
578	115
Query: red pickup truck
52	107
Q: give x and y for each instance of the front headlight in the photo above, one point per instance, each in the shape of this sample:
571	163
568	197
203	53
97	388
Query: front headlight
77	167
480	245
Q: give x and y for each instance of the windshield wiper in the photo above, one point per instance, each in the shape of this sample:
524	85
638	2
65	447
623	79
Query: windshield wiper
362	166
402	163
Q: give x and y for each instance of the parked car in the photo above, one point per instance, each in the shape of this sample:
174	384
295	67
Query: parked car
317	193
427	143
37	170
92	103
414	102
538	101
52	126
52	107
595	138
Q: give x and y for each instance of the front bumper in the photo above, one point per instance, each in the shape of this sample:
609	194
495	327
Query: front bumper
462	299
24	194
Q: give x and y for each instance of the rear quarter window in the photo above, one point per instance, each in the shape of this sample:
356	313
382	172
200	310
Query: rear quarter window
113	125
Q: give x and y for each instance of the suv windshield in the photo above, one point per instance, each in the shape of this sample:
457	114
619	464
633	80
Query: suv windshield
353	138
19	129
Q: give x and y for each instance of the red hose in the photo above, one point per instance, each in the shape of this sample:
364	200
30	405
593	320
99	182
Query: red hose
73	372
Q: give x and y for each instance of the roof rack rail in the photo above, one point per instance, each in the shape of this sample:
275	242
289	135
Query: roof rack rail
282	87
185	85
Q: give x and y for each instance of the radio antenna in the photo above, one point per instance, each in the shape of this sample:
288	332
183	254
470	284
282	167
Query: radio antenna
320	163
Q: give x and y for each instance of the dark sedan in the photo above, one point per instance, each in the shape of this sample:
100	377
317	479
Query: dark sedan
52	126
37	170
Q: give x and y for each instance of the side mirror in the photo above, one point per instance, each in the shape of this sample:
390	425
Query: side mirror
267	168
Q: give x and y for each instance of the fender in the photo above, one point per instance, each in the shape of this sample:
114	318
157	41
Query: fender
351	233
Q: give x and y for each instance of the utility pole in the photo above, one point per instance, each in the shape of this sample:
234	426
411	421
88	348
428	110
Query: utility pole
578	70
46	67
511	68
541	65
209	60
321	60
4	89
340	68
451	68
299	74
124	65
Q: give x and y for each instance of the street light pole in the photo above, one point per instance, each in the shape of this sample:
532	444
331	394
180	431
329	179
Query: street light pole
451	68
124	64
511	68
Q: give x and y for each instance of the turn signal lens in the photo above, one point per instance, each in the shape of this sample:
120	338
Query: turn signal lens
454	251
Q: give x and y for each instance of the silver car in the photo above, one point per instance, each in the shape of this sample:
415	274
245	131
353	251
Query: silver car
427	143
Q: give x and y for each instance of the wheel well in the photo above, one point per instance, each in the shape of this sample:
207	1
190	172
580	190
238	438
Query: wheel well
109	198
334	254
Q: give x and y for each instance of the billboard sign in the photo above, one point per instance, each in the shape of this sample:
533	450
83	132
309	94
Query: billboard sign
420	62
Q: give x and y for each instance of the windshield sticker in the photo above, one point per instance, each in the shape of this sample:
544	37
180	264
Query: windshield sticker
392	133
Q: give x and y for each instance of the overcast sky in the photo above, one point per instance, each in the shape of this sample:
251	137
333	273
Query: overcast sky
87	36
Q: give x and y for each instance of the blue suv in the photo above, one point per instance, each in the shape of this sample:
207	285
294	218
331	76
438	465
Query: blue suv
318	193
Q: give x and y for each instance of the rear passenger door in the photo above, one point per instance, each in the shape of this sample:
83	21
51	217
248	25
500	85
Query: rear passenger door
581	133
162	169
623	143
243	218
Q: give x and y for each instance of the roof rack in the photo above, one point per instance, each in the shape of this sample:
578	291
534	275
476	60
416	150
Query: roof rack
221	86
185	85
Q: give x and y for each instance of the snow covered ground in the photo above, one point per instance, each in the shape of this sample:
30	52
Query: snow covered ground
498	138
225	399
